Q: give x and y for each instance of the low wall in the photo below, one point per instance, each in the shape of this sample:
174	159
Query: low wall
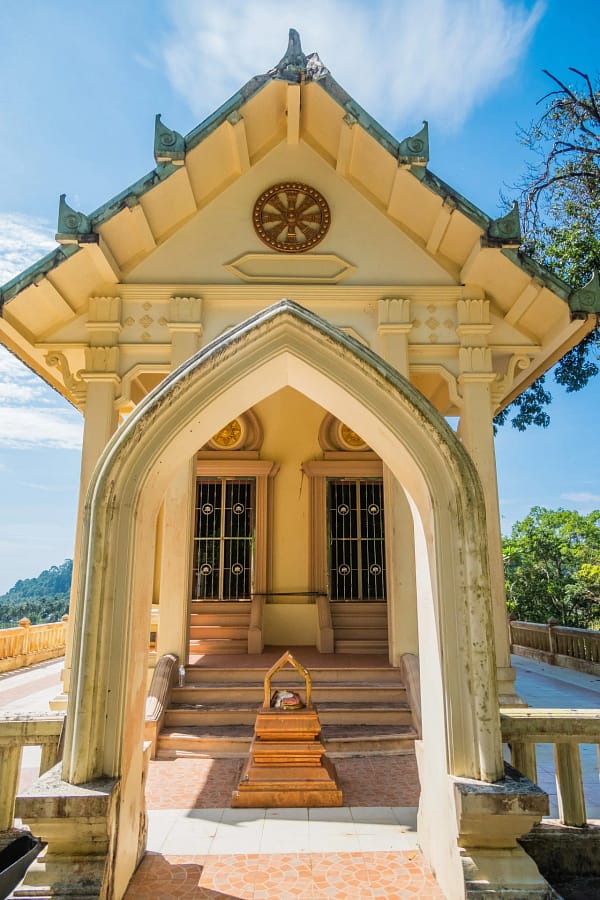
557	645
28	644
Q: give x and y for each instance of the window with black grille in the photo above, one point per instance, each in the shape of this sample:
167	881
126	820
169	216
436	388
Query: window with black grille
224	538
356	539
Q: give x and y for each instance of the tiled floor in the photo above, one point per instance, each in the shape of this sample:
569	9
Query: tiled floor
189	783
279	876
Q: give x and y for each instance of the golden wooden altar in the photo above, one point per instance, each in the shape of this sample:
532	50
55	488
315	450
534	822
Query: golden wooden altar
287	765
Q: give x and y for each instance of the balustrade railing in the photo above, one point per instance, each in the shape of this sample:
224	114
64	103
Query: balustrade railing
566	729
576	648
27	644
17	731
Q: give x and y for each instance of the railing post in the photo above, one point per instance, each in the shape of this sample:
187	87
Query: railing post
49	755
569	784
552	636
522	757
10	765
26	624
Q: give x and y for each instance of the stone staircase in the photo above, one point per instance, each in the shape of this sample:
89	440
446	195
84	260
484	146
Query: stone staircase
218	627
360	627
361	710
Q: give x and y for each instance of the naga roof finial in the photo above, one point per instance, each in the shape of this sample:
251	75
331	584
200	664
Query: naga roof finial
295	65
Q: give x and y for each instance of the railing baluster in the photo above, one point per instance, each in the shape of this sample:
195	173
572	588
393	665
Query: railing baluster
569	783
523	758
49	755
10	765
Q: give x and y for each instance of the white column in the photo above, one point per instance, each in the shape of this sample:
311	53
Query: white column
400	565
176	520
476	430
100	422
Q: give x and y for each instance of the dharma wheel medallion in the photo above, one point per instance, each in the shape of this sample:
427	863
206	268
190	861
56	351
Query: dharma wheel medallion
291	217
228	437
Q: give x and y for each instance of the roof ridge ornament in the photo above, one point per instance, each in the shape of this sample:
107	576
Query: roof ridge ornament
585	300
73	227
169	146
505	231
414	151
294	65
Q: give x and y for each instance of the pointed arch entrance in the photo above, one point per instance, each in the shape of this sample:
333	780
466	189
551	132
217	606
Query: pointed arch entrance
285	345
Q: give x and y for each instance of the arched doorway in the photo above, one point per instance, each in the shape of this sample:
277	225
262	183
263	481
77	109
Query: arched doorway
285	345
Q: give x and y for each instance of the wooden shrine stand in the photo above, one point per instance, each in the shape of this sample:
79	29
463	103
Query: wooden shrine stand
286	765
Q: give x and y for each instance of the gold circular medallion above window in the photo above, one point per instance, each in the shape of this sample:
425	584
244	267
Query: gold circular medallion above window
229	437
291	217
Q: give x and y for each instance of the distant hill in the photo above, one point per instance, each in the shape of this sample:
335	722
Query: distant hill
41	599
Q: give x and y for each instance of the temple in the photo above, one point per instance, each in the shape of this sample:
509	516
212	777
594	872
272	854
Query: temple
288	342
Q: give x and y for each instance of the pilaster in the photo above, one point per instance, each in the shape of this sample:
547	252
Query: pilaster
393	327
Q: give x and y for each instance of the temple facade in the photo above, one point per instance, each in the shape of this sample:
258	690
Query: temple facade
288	342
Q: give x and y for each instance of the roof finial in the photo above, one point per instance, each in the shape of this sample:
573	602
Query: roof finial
293	61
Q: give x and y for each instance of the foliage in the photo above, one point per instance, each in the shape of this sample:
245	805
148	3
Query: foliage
552	567
560	198
41	599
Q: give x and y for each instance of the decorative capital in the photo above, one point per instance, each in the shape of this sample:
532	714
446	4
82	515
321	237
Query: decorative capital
586	300
100	360
393	315
414	151
476	361
73	227
169	146
185	314
506	231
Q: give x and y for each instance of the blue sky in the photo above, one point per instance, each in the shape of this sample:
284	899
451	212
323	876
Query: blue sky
80	85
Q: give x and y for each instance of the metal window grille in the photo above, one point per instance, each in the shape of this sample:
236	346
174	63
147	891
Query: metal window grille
224	538
356	540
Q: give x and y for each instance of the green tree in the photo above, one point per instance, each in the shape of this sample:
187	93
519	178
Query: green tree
41	599
560	200
552	567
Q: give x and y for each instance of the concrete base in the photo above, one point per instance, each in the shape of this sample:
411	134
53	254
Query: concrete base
563	852
78	823
491	818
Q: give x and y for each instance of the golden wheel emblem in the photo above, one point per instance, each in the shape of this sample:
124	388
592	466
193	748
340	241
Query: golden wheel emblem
291	217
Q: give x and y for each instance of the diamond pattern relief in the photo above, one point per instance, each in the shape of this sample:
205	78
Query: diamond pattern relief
432	323
146	321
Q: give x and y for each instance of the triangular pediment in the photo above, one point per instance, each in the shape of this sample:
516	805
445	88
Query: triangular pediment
370	248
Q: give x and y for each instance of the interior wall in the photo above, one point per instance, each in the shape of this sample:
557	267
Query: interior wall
291	428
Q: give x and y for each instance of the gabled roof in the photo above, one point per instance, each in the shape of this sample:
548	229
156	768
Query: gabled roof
296	101
76	230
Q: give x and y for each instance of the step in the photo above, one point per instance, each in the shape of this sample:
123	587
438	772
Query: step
201	674
321	692
362	646
216	618
235	713
217	646
219	632
365	632
228	740
221	607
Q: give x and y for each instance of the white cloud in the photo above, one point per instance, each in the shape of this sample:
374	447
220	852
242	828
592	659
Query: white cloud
581	497
25	427
23	240
436	61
